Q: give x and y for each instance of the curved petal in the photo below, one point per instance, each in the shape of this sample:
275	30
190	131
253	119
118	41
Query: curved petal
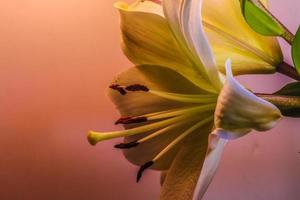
184	18
231	36
183	174
210	165
238	111
147	39
163	175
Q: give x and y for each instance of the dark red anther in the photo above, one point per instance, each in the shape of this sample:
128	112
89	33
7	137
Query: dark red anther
137	87
142	169
118	88
131	120
126	145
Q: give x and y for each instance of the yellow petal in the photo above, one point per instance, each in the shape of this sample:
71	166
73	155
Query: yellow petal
147	39
183	174
231	37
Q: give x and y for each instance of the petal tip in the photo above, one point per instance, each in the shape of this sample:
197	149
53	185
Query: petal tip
228	68
120	5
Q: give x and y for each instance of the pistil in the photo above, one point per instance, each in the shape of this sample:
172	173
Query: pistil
95	137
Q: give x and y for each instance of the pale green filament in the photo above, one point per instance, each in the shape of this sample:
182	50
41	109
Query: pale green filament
186	98
204	108
159	132
95	137
181	137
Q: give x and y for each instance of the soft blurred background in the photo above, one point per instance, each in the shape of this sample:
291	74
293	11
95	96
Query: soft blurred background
56	60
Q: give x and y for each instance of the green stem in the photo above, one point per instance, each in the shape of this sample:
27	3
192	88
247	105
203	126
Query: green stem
288	36
288	105
288	70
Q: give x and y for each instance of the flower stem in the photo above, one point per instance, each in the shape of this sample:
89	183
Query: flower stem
288	105
288	36
288	70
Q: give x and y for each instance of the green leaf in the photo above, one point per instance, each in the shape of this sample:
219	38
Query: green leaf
296	50
291	89
260	19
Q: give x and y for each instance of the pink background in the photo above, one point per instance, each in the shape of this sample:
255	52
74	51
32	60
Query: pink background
56	60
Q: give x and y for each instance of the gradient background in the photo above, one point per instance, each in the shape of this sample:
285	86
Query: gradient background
56	60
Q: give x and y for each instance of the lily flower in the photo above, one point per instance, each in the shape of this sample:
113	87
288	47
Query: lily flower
178	111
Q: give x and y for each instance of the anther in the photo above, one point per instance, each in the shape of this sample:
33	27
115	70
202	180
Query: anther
131	120
126	145
137	87
118	88
142	169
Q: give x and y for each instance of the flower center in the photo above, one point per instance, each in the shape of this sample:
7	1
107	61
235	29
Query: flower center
198	112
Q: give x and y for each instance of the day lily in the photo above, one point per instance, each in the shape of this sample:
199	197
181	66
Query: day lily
176	105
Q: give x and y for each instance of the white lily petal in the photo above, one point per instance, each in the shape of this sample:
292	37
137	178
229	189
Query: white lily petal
238	111
199	42
228	135
210	165
230	36
184	18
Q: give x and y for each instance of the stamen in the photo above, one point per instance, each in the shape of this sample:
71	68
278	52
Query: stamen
165	114
118	88
182	136
137	87
186	98
131	88
172	144
159	132
127	145
95	137
155	134
142	169
131	120
208	107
